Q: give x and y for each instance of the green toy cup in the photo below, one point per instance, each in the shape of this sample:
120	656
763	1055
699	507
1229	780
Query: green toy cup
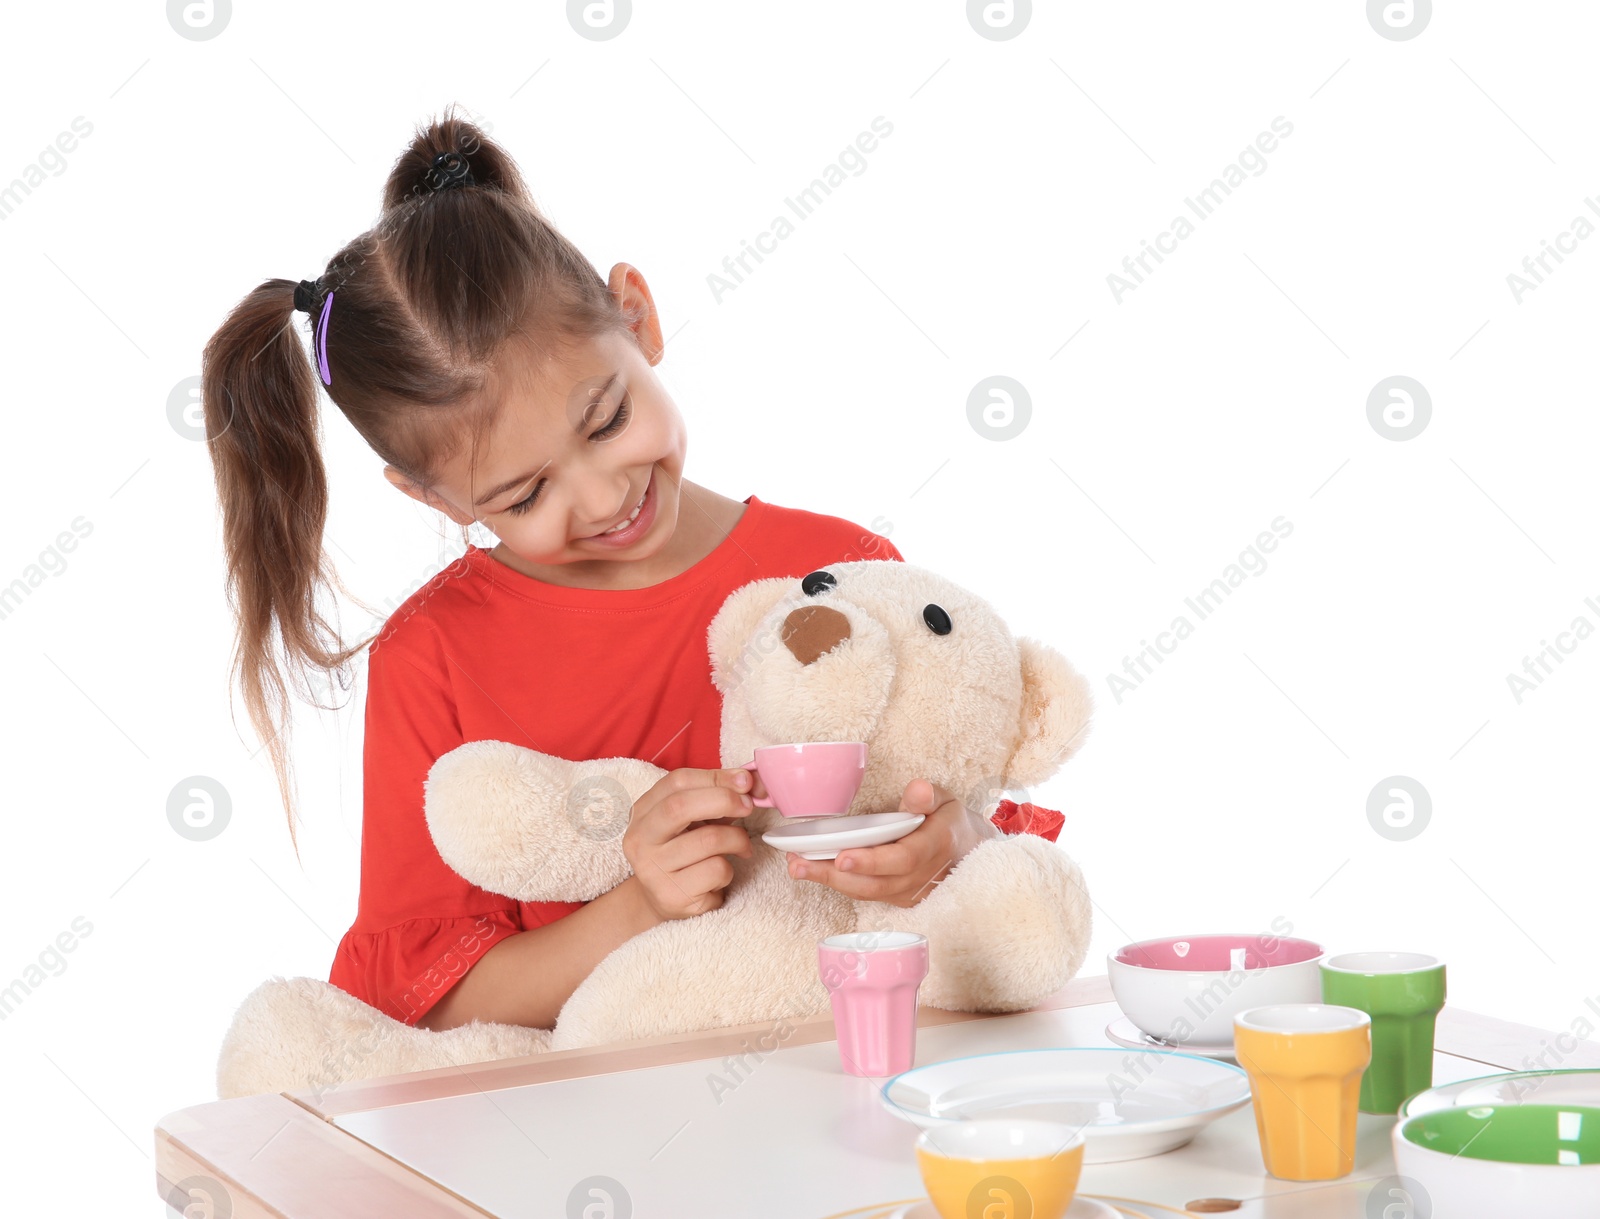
1402	992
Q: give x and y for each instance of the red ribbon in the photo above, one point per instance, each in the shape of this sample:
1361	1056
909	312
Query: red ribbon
1014	818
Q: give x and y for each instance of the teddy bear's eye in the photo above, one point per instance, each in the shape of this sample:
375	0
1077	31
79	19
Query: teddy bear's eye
938	621
817	581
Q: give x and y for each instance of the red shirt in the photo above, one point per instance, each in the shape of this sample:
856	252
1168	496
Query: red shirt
483	652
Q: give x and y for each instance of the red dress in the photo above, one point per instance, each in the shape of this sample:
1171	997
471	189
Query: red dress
483	652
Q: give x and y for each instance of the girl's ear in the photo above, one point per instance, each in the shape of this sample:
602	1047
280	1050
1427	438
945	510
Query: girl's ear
735	623
425	497
1056	706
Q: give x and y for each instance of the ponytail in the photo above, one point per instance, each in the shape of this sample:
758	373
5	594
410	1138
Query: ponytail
259	393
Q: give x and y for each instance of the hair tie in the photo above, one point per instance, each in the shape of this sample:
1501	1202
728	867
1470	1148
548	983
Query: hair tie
450	169
305	296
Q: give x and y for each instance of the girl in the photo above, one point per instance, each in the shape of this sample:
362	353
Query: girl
501	380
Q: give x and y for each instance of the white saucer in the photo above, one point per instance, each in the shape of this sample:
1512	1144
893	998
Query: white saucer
1124	1032
825	837
1085	1087
1083	1207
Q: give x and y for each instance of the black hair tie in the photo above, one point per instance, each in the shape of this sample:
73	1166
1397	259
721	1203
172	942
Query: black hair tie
450	169
305	295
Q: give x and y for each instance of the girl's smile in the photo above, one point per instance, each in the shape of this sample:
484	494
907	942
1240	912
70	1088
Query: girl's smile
639	520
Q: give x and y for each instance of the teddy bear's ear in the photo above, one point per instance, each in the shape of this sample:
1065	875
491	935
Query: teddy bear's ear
1056	706
733	624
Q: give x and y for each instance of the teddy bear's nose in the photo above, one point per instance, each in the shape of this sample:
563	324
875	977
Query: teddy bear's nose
814	630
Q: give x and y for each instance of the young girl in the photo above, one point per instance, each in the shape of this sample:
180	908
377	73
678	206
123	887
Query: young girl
501	380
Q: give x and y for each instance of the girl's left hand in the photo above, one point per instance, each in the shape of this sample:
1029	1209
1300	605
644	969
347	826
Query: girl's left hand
903	872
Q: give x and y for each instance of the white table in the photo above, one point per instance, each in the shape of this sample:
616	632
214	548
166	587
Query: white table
794	1138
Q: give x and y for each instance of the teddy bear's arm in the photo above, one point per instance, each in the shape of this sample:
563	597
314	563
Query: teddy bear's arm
1007	927
530	825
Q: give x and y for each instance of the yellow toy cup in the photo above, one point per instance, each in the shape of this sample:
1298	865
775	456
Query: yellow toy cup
1305	1062
1001	1166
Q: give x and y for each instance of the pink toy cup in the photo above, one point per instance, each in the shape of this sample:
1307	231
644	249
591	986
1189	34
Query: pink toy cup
810	778
872	979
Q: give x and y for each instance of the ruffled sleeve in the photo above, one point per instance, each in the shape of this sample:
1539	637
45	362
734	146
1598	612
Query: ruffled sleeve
419	925
1014	818
405	969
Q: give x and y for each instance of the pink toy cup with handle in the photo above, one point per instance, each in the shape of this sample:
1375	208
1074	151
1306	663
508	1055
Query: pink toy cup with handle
810	778
872	979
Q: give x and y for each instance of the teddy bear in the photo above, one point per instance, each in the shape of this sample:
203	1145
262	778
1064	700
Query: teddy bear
923	671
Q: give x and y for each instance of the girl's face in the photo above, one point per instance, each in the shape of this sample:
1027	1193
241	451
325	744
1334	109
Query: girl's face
584	437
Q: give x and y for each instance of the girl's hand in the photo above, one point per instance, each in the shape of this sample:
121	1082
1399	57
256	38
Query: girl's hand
679	837
903	872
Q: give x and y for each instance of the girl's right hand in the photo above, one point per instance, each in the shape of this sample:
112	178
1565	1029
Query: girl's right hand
678	838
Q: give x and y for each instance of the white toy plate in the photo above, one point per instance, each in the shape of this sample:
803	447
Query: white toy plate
1125	1111
825	837
1125	1032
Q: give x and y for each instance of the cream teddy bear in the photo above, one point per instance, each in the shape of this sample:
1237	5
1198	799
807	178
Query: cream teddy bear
923	671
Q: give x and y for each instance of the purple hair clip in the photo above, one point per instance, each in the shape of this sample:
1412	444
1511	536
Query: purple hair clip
322	340
305	295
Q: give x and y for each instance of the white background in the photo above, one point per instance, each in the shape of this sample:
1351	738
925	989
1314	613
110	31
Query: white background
1228	789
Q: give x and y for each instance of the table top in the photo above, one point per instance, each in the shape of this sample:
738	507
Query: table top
740	1122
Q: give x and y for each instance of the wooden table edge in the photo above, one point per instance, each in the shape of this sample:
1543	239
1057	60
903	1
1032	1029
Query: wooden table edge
281	1155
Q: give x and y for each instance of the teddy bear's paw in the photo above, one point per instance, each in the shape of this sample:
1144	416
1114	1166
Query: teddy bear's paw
1007	928
531	826
715	970
303	1034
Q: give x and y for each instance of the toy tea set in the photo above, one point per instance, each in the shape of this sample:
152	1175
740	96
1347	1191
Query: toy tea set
1317	1039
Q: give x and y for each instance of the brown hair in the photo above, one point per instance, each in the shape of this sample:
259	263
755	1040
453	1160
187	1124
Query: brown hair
427	301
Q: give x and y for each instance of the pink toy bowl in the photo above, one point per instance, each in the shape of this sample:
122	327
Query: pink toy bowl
1187	989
